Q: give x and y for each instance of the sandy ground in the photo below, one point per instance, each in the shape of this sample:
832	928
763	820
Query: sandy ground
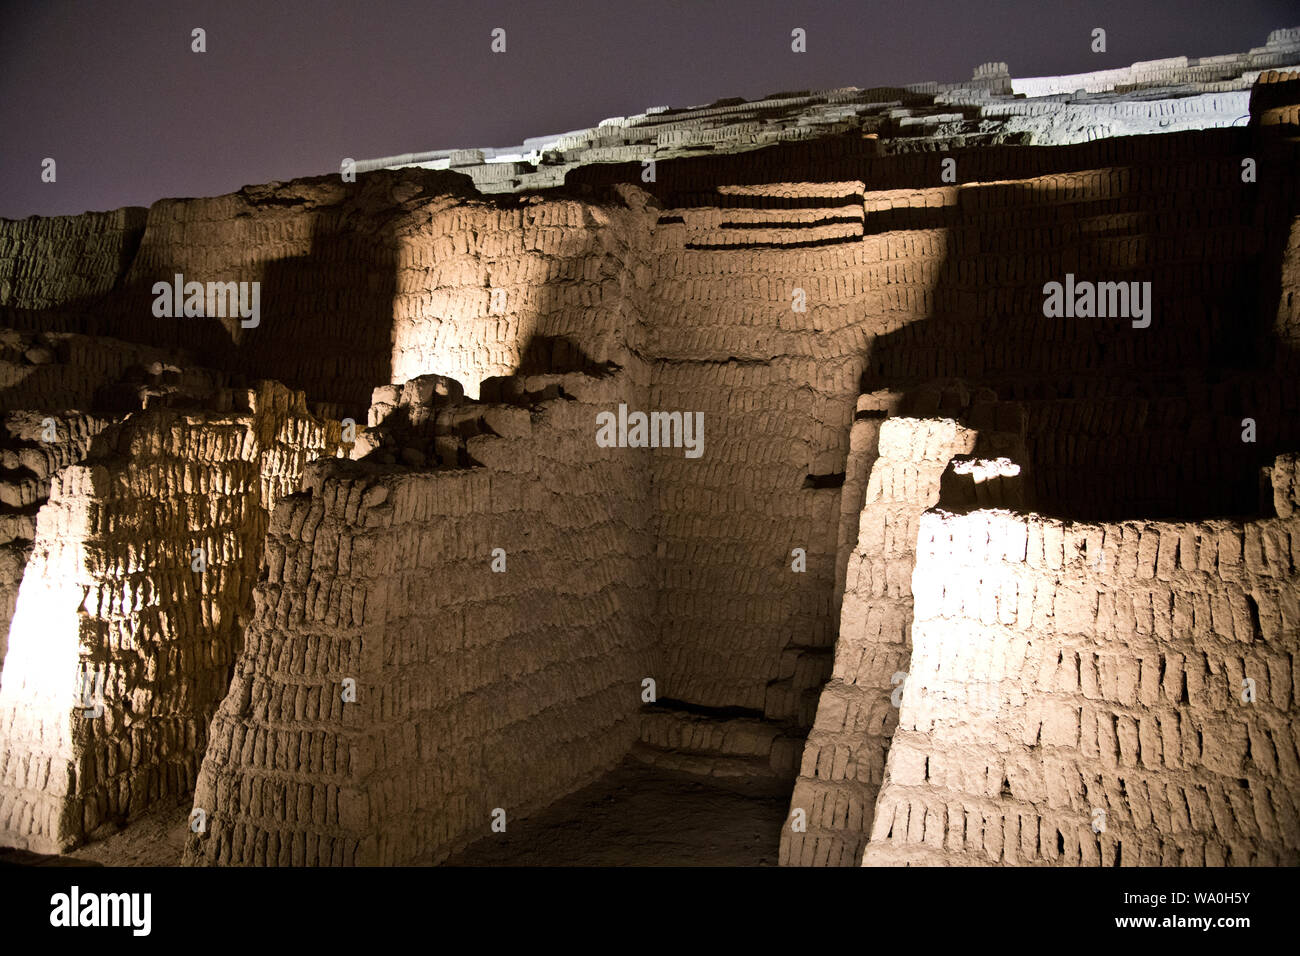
156	839
640	816
635	815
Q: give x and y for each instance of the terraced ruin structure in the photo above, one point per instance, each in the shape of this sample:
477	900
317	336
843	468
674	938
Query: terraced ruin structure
916	465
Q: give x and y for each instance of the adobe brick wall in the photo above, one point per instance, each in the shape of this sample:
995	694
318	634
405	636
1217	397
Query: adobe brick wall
474	689
29	462
687	286
82	385
63	262
110	587
906	281
493	287
844	756
1060	669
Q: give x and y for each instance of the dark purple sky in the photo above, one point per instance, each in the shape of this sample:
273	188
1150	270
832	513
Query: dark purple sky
112	92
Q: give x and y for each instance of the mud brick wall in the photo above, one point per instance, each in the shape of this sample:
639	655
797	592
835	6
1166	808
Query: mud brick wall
1054	122
687	284
1275	99
1148	220
844	757
60	370
864	441
111	587
918	283
1078	696
778	390
63	262
474	689
325	254
745	747
495	288
864	451
375	281
81	384
1157	96
27	462
323	251
1284	480
1288	307
906	280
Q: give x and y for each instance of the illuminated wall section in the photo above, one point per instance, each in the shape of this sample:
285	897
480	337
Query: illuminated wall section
1097	695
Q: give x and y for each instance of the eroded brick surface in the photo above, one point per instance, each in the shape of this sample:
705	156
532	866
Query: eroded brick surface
112	588
475	689
1110	694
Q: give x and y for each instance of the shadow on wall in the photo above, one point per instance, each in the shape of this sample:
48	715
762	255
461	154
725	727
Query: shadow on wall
558	355
325	322
1123	421
327	317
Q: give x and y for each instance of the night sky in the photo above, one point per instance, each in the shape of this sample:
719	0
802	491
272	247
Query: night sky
113	93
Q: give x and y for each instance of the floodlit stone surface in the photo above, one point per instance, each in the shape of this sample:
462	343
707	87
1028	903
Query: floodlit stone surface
1097	695
131	608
